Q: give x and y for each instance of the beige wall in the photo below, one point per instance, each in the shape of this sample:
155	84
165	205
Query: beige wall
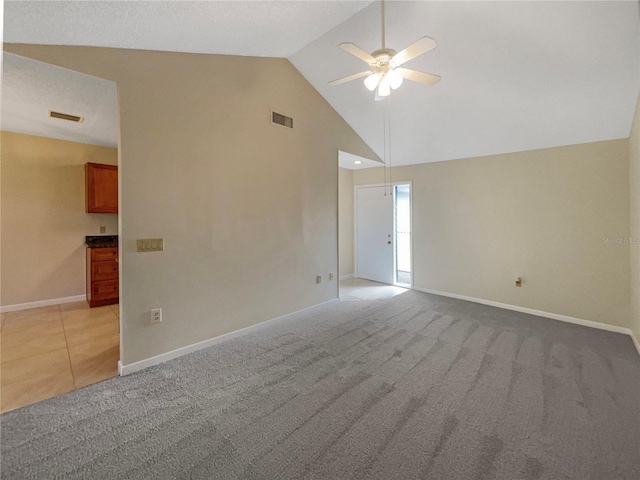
541	215
634	187
248	210
345	216
43	216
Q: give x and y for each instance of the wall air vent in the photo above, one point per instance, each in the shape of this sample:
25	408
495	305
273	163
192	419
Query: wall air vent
281	119
66	116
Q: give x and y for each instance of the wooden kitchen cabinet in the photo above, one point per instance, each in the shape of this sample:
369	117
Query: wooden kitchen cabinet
102	276
101	184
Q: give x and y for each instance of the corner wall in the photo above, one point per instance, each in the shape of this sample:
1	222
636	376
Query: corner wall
247	209
542	215
42	254
634	204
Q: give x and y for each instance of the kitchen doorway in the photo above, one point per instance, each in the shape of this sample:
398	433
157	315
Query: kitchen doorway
66	256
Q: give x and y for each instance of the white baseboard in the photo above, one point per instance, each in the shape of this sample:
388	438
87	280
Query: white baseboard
346	277
539	313
42	303
163	357
636	342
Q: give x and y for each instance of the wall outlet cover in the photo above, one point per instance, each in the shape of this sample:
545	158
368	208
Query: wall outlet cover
156	316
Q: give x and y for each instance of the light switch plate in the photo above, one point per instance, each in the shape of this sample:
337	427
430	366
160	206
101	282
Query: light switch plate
150	244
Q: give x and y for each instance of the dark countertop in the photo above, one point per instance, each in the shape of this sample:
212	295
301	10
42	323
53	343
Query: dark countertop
101	241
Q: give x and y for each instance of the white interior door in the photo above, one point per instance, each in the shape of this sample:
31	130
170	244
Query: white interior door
374	234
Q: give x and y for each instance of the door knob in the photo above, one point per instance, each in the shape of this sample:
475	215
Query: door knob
389	242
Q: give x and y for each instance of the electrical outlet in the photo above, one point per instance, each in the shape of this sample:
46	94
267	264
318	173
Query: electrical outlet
156	315
103	229
330	276
319	279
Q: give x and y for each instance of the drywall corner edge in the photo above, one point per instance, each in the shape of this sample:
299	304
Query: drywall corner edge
636	342
164	357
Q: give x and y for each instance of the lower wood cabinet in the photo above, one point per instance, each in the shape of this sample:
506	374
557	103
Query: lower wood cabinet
102	276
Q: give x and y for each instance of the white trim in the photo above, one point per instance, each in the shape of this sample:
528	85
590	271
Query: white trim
395	234
42	303
636	342
346	277
530	311
179	352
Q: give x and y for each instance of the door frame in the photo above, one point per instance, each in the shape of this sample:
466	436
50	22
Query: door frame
393	236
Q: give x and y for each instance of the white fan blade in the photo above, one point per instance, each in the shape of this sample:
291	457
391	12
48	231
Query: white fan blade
421	77
349	78
358	52
423	45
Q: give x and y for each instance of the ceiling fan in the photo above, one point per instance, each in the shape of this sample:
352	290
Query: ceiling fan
384	71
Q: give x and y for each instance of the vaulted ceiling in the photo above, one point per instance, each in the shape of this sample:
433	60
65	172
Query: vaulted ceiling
515	75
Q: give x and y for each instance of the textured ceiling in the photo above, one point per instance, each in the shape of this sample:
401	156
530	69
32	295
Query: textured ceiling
30	89
515	75
255	28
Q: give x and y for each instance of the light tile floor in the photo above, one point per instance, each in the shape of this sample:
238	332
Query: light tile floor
49	351
355	289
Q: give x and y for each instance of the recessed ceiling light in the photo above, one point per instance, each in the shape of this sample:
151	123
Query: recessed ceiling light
357	162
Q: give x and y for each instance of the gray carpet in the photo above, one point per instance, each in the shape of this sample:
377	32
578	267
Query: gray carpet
411	387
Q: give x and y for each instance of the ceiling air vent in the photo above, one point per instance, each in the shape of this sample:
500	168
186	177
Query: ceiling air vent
66	116
281	119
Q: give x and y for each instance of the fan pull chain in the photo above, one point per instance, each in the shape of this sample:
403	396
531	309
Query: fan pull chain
389	127
382	15
386	121
384	150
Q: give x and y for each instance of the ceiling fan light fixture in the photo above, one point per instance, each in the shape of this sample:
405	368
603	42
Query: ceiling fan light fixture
394	78
384	89
385	72
371	82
